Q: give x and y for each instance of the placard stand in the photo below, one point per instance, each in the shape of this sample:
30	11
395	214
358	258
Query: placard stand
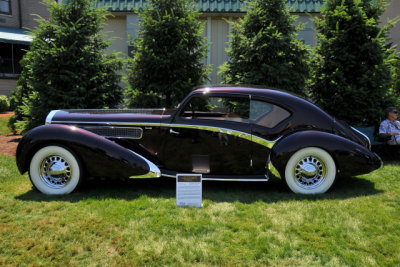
189	190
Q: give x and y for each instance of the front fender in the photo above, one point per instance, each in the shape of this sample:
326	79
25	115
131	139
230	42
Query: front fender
100	156
350	157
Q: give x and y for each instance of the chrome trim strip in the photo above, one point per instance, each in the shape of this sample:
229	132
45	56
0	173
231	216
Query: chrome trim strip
235	180
113	110
363	134
50	116
261	141
380	159
168	175
272	169
240	134
154	171
102	123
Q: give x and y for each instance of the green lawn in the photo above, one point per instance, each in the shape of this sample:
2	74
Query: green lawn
137	222
3	126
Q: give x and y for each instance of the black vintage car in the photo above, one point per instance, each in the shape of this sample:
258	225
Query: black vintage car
225	133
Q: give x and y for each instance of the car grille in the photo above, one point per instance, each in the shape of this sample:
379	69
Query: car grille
117	132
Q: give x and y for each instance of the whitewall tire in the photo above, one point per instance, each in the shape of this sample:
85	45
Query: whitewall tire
54	170
310	170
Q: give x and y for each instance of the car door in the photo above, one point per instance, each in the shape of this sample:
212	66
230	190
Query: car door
211	134
268	122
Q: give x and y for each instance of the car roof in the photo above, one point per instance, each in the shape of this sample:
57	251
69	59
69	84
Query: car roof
255	91
288	100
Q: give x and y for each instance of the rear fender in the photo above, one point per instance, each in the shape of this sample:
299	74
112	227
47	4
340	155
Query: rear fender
351	158
100	156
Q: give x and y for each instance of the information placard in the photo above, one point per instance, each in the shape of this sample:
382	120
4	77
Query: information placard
189	190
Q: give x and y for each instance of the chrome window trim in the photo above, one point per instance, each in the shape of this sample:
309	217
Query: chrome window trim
50	116
253	138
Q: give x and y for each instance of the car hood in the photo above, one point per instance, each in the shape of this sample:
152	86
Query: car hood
107	116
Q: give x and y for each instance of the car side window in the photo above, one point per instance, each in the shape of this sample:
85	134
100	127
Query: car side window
266	114
217	108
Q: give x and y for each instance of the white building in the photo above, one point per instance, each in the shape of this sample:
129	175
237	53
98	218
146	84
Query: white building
215	14
16	15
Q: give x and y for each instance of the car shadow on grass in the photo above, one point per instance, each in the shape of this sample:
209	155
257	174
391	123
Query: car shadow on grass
216	191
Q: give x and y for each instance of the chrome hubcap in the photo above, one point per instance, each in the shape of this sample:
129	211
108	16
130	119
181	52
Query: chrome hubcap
309	172
55	171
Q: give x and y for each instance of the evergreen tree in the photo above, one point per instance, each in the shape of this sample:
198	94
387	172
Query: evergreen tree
396	78
352	65
264	49
169	57
66	65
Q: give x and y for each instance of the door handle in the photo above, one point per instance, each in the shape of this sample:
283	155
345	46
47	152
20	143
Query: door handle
173	132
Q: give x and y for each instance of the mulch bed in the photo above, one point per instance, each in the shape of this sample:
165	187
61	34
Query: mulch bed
6	114
8	142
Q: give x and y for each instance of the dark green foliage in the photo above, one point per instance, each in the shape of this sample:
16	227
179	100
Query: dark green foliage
66	66
4	104
264	49
168	60
352	65
396	78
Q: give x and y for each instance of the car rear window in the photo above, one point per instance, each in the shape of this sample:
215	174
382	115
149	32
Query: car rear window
267	114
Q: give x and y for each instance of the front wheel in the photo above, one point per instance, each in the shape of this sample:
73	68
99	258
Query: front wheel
54	170
310	170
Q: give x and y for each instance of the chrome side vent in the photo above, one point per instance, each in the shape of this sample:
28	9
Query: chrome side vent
116	132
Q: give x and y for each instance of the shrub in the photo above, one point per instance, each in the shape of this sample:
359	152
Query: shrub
396	78
4	104
170	50
264	49
352	66
66	65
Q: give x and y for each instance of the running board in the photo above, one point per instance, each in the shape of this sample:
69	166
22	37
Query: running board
241	178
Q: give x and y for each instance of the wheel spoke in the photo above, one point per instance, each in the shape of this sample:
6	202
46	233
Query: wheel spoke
55	171
309	172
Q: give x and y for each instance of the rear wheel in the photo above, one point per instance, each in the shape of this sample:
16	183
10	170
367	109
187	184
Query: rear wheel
310	170
54	170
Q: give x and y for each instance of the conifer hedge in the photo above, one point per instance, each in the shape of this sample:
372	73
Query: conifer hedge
169	55
352	64
66	66
264	49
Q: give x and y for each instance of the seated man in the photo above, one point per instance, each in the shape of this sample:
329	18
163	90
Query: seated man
390	128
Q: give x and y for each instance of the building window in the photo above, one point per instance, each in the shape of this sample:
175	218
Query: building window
5	6
10	56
